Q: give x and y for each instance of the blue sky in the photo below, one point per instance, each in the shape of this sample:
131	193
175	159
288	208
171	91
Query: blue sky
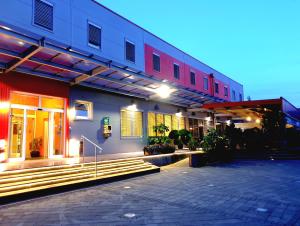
255	42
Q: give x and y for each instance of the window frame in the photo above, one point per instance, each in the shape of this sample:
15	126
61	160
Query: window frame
193	81
226	94
33	15
153	67
90	110
233	95
125	50
217	88
176	64
205	82
133	121
88	35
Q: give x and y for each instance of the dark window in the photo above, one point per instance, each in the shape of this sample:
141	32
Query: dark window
130	51
43	14
156	62
192	78
225	91
241	97
176	71
94	35
205	84
216	88
233	95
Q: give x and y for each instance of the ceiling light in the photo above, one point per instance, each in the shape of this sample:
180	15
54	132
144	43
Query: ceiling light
249	119
132	107
178	114
21	43
257	121
163	91
6	28
208	118
228	122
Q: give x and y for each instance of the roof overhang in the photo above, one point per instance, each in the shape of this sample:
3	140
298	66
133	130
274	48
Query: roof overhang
28	53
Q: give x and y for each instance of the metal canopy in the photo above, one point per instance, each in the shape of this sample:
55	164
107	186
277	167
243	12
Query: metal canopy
28	53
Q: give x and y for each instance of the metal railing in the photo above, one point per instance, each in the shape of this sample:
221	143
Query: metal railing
96	147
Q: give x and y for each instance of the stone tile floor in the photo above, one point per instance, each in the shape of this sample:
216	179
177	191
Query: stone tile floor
240	193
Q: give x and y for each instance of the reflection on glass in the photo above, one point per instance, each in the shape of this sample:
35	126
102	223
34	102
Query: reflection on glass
17	126
58	133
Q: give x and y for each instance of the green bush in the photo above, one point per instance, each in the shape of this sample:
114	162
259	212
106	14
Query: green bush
157	149
185	136
193	145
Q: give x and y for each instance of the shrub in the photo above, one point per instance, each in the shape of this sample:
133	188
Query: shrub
193	144
185	136
157	149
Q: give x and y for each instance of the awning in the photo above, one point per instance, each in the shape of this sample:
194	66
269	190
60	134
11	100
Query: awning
28	53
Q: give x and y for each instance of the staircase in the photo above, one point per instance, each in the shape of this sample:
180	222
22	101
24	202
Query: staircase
27	183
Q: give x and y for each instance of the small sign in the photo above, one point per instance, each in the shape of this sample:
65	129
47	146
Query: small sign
106	121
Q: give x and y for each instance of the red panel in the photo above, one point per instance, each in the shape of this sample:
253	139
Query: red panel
166	72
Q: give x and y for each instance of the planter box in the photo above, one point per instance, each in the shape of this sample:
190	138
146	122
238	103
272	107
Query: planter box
198	160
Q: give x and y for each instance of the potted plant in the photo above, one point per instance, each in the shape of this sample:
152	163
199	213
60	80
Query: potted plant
35	147
174	136
180	144
185	136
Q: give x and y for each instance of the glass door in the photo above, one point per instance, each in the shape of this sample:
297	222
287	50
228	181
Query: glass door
17	133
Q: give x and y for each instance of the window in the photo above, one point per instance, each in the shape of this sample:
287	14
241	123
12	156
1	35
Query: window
192	78
241	97
176	71
130	51
43	14
216	88
225	91
94	35
205	83
196	127
156	62
233	95
172	121
83	110
131	123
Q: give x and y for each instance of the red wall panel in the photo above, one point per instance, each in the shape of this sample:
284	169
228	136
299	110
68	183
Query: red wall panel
166	72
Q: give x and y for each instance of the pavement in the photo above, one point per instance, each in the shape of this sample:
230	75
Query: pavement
239	193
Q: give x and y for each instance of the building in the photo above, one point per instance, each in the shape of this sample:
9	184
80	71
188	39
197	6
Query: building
72	68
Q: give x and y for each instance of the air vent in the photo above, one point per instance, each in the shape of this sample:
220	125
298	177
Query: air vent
94	35
43	14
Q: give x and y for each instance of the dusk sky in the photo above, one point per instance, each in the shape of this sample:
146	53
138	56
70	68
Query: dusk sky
254	42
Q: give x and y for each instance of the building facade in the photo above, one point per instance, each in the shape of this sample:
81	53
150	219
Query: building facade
72	68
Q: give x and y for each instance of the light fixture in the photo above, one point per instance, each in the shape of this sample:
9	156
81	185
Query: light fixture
132	107
6	28
228	122
163	91
72	113
74	146
4	106
207	118
258	121
179	113
21	43
248	119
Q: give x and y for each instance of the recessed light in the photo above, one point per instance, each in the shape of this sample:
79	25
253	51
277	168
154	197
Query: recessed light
129	215
21	43
6	28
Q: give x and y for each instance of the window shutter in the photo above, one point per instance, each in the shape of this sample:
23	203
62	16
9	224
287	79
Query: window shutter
94	35
43	14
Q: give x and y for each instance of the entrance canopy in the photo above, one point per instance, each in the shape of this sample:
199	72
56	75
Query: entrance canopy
29	53
251	112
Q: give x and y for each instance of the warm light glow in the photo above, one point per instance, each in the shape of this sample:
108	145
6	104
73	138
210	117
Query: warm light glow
191	128
132	107
4	107
2	158
72	113
178	114
228	122
208	118
2	144
163	91
74	146
257	121
6	28
249	119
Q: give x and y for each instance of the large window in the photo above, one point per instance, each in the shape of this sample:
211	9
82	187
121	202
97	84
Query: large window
176	71
156	62
83	110
131	123
172	121
205	83
196	127
94	35
192	78
130	51
43	14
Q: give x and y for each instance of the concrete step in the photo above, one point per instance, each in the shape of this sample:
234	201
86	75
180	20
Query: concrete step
39	180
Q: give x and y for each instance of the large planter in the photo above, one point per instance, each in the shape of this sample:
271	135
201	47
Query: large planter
35	154
198	160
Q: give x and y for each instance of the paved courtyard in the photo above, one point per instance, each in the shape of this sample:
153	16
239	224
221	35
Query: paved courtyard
241	193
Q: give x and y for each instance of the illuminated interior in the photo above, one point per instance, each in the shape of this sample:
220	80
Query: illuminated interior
37	125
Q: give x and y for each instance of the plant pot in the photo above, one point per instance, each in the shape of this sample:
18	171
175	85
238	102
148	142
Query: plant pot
35	154
197	160
180	146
